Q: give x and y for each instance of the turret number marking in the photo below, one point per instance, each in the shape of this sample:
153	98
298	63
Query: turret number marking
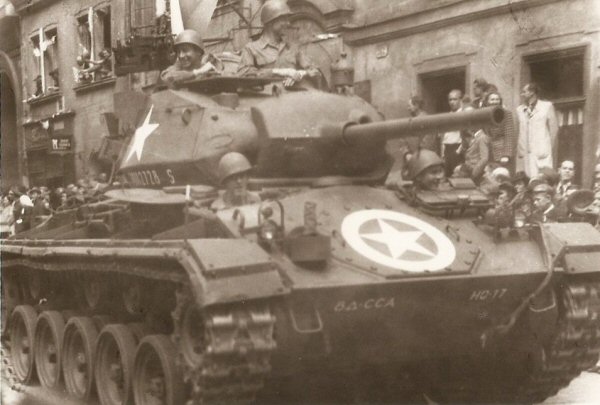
488	295
371	303
150	177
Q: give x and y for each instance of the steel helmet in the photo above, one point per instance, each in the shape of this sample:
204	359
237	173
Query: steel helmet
189	37
273	9
579	201
422	160
232	163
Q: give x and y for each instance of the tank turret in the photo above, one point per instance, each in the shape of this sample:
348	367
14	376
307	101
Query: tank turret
291	135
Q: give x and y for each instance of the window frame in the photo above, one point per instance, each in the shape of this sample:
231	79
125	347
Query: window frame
44	63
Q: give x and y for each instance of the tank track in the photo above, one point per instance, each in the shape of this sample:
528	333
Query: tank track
575	348
238	343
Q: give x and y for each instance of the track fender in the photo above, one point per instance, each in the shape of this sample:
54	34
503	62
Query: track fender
230	270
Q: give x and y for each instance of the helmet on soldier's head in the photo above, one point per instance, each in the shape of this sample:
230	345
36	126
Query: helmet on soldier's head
422	160
190	37
273	9
543	188
232	163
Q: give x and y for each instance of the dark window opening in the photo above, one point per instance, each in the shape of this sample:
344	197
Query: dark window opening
558	77
435	87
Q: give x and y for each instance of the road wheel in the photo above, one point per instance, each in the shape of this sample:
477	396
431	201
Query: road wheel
115	354
78	356
156	377
22	337
49	332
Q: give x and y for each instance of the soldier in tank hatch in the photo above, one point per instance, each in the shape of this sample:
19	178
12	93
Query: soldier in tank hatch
426	170
191	63
233	173
271	53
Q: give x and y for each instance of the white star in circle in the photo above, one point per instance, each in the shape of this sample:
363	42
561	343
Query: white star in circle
398	242
139	138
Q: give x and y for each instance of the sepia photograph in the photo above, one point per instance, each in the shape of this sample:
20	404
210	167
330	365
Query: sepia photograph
304	202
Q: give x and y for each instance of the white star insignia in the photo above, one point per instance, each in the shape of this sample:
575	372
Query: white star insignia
139	138
398	242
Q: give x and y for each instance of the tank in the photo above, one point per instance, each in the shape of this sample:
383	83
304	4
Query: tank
329	286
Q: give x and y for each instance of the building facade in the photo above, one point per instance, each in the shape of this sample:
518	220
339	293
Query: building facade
398	49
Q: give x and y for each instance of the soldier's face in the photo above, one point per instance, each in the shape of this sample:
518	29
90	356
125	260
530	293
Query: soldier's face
542	201
280	25
567	170
431	178
189	56
237	183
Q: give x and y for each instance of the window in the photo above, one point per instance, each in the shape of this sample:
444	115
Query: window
143	16
44	45
94	32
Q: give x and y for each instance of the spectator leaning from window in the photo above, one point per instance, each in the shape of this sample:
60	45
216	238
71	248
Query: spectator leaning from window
480	89
537	132
503	137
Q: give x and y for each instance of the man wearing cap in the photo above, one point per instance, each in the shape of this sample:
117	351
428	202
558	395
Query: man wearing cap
544	209
271	54
233	172
190	63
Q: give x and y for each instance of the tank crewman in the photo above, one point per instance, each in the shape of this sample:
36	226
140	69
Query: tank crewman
233	172
191	61
502	215
522	202
426	170
544	209
271	54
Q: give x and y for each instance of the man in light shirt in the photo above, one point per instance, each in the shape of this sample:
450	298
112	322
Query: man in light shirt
451	140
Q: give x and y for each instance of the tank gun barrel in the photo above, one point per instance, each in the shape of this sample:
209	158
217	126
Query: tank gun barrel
407	127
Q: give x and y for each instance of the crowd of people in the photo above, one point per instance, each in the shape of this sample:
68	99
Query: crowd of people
512	162
24	208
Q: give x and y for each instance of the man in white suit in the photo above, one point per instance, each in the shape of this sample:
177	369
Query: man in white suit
537	132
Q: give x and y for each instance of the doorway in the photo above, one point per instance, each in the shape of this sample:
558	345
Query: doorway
436	85
560	77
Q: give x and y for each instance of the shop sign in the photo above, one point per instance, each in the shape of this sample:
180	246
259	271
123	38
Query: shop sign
60	144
